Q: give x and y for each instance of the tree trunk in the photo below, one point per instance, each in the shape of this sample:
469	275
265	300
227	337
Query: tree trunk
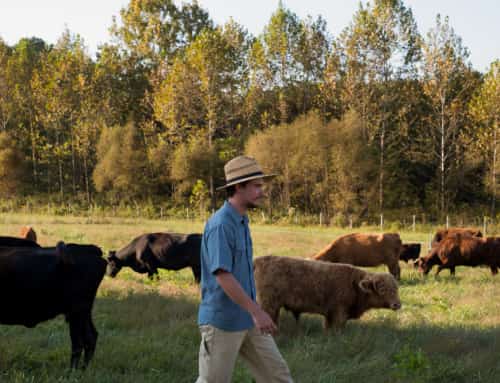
381	176
33	158
211	125
73	162
442	165
60	167
494	170
86	174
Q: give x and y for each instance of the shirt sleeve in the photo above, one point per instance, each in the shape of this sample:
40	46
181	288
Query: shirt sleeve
219	249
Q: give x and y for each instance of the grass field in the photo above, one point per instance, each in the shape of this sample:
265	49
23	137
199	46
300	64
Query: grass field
447	331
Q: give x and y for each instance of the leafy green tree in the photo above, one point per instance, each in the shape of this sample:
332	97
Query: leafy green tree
13	168
58	87
210	78
193	161
299	153
353	170
280	38
485	110
380	46
121	170
154	30
25	59
447	82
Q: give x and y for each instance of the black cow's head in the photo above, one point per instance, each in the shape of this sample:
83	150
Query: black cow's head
114	264
409	251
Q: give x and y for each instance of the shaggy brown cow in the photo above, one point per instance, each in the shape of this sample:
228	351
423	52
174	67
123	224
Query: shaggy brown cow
337	291
443	233
462	250
360	249
27	232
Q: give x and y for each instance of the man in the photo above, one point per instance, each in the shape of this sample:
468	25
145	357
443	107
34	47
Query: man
231	322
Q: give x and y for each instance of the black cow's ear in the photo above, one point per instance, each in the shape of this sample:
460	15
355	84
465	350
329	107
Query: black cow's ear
367	285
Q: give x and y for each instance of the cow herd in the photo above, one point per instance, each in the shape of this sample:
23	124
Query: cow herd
38	283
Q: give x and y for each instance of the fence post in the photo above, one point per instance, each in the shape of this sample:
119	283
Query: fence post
320	218
381	222
447	221
485	219
413	225
350	222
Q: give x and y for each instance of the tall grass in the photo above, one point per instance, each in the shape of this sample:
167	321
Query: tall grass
447	331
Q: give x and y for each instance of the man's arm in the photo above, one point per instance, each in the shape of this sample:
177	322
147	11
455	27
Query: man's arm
233	289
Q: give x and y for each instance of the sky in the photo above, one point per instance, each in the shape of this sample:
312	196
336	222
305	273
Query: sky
476	22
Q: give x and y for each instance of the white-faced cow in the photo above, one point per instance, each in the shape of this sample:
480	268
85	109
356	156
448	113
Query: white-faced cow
37	284
150	252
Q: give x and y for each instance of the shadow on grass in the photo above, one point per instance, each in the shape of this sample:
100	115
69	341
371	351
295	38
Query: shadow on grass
144	336
148	336
384	351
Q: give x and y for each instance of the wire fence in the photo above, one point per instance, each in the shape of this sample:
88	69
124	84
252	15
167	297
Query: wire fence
388	222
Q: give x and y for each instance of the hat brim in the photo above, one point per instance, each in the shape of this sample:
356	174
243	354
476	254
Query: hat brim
245	179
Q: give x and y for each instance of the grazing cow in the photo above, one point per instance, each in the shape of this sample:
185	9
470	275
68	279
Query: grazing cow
27	232
149	252
37	284
462	250
337	291
17	242
360	249
443	233
410	251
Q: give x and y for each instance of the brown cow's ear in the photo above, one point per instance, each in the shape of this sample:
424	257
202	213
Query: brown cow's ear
366	285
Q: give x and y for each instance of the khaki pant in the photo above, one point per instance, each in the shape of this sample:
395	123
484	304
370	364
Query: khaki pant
219	350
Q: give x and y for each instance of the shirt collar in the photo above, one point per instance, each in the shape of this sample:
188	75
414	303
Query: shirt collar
235	214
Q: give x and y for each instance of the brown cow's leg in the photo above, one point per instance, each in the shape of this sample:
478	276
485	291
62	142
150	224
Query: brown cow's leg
338	319
494	270
395	270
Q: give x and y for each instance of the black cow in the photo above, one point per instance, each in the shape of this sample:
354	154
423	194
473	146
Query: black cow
17	242
37	284
150	252
410	251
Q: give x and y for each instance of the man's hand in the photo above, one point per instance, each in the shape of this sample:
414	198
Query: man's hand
263	321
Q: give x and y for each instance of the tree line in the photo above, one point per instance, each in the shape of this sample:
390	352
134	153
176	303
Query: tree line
379	118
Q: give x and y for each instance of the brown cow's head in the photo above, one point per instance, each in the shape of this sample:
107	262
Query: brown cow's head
114	264
382	290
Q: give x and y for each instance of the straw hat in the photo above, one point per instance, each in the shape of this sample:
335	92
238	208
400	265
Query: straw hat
241	169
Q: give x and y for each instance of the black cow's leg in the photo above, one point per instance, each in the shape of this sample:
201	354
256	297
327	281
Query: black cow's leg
452	270
90	340
75	332
494	270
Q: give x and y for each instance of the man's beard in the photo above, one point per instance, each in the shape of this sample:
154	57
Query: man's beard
251	205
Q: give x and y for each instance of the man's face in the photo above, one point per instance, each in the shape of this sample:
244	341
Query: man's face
252	194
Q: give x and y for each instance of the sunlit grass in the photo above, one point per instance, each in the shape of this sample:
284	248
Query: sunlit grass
447	330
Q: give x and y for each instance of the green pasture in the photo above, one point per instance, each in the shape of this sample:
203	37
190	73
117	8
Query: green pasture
447	330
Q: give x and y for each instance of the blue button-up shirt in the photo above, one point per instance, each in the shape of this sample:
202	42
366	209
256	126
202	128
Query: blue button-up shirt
226	245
